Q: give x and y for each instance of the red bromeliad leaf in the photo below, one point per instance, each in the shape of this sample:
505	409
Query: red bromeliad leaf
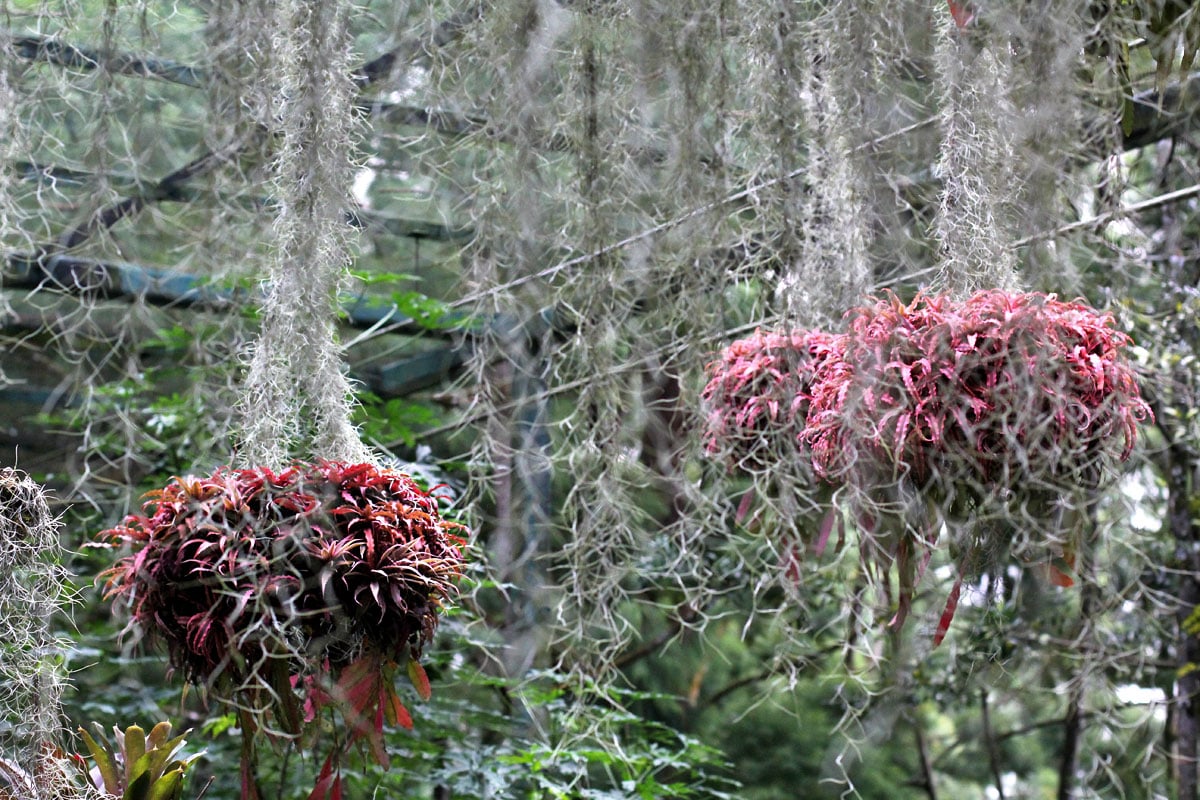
831	518
943	625
366	696
420	681
394	711
1059	569
363	692
962	13
358	686
905	567
403	718
744	506
327	779
793	560
757	393
1059	578
375	737
315	697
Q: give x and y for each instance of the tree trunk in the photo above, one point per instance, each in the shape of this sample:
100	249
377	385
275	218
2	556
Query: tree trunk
990	740
1186	533
1070	752
927	778
1073	722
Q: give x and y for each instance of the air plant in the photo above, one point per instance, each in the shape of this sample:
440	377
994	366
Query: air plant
33	589
1004	389
285	594
938	414
758	394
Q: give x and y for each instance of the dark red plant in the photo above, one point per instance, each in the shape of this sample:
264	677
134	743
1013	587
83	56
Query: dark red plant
285	589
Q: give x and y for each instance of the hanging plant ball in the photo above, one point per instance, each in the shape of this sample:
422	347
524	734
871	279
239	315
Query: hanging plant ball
987	417
1006	391
251	577
758	394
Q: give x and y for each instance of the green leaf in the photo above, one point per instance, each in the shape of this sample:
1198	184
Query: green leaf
159	735
1191	625
139	787
216	726
168	787
134	740
106	762
375	278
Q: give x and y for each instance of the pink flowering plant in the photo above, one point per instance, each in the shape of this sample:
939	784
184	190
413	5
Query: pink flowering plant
759	391
939	413
1002	389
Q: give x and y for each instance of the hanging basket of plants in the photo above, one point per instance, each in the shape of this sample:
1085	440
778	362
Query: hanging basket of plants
940	413
1005	391
290	590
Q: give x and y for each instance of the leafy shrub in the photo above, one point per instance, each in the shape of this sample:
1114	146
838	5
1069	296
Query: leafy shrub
140	766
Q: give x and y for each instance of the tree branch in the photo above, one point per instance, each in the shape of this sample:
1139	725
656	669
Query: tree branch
990	740
684	613
1108	216
88	277
1032	727
1158	116
1073	722
1180	475
927	780
448	30
734	685
179	192
52	51
170	186
1069	758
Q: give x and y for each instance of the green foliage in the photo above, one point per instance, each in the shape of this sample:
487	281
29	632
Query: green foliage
397	419
427	312
139	766
481	737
